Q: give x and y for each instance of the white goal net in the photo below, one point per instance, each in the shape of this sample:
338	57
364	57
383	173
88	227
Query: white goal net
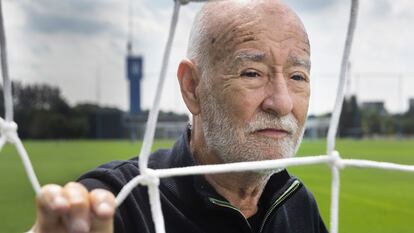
151	177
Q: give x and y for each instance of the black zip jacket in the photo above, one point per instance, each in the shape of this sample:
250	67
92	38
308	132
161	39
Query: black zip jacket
191	205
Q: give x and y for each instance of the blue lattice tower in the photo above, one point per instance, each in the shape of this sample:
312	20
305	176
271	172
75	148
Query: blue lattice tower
134	65
134	75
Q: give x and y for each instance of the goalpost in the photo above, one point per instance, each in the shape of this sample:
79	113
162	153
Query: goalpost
151	177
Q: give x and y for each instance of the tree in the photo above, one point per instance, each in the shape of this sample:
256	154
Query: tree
350	120
42	112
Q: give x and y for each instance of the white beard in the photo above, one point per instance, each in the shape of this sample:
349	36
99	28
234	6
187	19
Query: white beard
232	143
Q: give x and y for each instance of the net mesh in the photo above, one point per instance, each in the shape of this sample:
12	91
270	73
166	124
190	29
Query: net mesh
151	178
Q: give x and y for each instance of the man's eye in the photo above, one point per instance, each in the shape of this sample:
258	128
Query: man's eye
298	77
250	74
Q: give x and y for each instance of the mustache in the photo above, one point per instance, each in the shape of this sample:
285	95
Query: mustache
264	120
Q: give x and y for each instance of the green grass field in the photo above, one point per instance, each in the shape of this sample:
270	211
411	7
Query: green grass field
370	200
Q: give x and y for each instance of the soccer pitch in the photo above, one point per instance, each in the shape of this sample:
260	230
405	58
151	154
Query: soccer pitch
370	200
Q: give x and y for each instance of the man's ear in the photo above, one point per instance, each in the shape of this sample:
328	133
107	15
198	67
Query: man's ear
188	78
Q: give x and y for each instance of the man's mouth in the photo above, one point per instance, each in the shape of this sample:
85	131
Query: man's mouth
273	132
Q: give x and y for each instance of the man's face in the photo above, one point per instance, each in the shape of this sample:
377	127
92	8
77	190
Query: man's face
254	98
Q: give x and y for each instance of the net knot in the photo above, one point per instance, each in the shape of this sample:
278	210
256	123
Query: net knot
8	130
335	160
183	2
149	177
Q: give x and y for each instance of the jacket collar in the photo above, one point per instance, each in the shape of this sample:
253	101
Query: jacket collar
181	156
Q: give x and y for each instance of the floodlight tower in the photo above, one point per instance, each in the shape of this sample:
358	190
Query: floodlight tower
134	65
134	75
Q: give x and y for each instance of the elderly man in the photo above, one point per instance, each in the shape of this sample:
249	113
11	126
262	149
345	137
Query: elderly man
246	83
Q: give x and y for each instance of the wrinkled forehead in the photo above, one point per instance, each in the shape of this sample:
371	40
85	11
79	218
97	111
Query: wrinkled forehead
232	23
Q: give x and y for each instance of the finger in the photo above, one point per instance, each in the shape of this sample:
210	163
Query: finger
103	208
51	205
77	219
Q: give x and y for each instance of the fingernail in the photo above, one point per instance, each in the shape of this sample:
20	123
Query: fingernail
60	201
79	226
75	196
104	209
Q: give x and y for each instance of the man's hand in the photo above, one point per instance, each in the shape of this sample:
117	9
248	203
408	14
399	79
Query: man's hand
72	209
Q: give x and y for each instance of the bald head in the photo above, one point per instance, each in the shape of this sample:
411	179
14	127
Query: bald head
252	64
222	25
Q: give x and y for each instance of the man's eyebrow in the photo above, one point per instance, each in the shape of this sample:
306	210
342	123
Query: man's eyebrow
249	56
296	61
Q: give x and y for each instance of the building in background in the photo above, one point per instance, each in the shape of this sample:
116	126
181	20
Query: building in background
375	106
169	125
411	105
317	127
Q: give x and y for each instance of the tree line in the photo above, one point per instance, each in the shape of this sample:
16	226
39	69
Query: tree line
360	121
41	112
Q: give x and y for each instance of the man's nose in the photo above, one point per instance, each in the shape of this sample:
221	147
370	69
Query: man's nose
278	100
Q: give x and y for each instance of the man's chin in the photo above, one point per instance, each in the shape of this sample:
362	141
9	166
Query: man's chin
279	150
277	156
266	156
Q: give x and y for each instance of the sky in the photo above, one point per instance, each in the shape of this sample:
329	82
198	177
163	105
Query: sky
80	46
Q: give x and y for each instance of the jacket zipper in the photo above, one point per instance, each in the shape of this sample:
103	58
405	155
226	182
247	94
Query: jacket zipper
286	194
228	205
